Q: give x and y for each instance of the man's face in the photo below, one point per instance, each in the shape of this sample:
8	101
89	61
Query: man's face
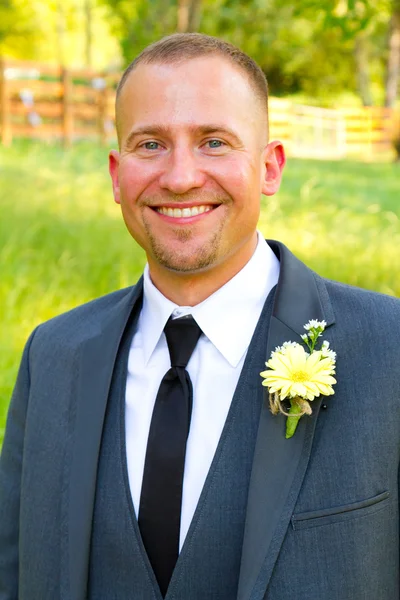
194	160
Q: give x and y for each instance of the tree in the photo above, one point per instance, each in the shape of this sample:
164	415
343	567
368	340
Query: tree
17	25
88	11
320	48
188	15
393	61
71	32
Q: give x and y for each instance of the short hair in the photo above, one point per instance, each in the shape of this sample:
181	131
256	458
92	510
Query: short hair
180	47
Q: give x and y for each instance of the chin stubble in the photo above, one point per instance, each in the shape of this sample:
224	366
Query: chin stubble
179	261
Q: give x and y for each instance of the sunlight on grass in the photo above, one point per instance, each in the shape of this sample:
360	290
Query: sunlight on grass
63	241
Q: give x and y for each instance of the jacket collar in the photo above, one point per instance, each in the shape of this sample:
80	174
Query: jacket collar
97	360
279	465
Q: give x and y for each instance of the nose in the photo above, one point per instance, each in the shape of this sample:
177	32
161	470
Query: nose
182	172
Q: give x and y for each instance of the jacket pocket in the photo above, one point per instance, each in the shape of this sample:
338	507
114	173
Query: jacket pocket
317	518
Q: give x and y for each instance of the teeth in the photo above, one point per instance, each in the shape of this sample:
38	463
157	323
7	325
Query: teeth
183	212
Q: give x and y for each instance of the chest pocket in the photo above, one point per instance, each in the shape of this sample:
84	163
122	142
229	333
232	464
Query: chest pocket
328	516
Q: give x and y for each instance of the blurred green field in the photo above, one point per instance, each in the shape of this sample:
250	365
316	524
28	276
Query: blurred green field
63	242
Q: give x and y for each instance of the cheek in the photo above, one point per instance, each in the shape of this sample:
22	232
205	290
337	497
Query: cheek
242	181
134	179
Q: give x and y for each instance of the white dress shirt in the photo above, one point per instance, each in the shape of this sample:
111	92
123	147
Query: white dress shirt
227	319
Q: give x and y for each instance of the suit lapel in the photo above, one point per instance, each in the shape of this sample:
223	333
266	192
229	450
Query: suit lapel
98	356
279	464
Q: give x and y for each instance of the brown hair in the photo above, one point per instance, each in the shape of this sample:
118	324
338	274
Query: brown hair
180	47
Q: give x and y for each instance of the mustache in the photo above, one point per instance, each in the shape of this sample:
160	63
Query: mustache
200	197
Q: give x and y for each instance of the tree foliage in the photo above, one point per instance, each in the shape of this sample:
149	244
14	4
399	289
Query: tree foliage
57	31
320	49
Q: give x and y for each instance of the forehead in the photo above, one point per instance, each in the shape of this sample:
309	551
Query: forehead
201	90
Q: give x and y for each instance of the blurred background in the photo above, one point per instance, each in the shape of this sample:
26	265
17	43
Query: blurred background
333	69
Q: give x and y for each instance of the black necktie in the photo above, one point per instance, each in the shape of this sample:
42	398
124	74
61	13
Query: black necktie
161	495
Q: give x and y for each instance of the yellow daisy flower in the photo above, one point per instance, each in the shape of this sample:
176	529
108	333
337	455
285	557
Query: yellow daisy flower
293	372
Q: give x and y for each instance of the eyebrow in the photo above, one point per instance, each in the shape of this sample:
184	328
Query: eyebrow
163	130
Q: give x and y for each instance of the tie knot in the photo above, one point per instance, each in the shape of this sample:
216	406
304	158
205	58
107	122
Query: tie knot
182	335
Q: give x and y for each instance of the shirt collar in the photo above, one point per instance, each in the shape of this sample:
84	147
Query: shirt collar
228	317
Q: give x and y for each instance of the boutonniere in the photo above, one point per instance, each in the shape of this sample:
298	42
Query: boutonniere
297	373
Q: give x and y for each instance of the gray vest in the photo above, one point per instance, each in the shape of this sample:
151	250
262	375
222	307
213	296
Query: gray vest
209	563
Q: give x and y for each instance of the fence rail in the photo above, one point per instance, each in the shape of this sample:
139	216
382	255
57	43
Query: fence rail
312	132
44	101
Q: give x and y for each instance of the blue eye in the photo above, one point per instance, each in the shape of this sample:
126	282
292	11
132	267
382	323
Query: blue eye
151	145
215	143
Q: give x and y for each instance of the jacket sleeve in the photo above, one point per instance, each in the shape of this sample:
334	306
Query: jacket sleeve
11	462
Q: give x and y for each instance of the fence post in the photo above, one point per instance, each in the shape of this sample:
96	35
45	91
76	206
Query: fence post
341	134
5	121
102	102
369	126
392	126
67	106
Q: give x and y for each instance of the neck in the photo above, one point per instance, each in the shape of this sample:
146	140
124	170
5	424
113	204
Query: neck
189	289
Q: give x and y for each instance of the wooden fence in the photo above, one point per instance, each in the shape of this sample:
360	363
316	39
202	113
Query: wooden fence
49	102
312	132
43	101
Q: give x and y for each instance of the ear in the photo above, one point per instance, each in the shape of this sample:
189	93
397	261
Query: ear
274	161
113	167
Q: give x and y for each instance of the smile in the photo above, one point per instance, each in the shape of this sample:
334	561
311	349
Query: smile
179	213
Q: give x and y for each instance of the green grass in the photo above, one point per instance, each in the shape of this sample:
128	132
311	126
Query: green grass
63	242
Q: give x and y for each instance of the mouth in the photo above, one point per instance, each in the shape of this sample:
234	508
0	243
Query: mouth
186	212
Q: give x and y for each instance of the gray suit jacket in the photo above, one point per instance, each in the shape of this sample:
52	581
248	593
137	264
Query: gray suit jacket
322	517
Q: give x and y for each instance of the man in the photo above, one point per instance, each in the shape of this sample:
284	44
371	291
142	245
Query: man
130	471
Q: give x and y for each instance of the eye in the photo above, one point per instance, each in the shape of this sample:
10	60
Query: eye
215	144
150	145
